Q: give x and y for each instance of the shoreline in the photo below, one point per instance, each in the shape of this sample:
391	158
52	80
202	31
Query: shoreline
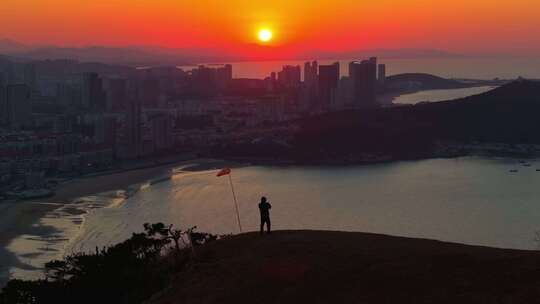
441	150
23	218
388	99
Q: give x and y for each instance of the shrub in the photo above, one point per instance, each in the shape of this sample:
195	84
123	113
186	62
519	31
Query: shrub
128	272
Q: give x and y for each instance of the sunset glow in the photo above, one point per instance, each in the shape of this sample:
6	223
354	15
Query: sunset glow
454	25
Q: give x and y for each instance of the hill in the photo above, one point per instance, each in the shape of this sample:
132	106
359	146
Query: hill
506	115
339	267
11	46
421	81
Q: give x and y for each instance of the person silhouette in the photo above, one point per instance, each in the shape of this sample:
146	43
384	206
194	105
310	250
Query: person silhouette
264	209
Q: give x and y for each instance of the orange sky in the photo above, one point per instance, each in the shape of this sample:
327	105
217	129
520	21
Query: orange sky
454	25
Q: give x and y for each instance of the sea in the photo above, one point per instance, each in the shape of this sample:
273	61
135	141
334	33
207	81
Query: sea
473	200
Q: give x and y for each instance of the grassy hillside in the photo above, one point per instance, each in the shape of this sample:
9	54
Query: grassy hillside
338	267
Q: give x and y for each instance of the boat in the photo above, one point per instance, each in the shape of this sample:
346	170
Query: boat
514	171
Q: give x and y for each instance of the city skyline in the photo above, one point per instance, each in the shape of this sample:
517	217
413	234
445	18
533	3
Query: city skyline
332	26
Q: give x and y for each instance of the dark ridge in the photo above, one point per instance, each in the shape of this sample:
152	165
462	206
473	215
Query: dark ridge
339	267
422	81
508	114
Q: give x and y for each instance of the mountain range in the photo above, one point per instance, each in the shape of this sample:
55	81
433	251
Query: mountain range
155	55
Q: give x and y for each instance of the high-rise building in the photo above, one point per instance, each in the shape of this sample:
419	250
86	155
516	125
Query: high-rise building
149	92
328	84
133	126
273	77
382	75
10	74
372	80
18	105
345	91
3	105
224	76
161	132
30	76
309	97
204	81
311	74
363	75
307	73
69	95
290	76
93	95
116	90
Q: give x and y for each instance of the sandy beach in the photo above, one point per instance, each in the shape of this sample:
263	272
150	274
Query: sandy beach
23	217
16	219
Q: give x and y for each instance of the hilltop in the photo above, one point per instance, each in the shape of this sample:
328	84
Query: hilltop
339	267
284	267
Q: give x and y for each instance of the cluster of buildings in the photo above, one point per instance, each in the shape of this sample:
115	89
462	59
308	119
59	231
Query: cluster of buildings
63	117
324	89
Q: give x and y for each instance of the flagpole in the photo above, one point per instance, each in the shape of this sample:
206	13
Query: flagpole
235	203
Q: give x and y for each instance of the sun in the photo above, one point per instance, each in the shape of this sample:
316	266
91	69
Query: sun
265	35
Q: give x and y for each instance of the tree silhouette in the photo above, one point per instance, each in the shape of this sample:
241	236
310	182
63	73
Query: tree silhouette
128	272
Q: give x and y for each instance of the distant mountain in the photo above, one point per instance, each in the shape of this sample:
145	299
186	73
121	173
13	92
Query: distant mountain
108	55
192	55
8	46
154	55
130	56
385	53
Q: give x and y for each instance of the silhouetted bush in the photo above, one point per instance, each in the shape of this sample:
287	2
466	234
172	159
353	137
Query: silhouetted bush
129	272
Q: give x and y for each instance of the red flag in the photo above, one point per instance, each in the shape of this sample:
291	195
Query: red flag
224	171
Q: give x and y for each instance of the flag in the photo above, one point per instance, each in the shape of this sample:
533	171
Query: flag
227	171
224	171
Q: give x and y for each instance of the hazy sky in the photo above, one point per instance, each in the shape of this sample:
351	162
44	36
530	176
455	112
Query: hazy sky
455	25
